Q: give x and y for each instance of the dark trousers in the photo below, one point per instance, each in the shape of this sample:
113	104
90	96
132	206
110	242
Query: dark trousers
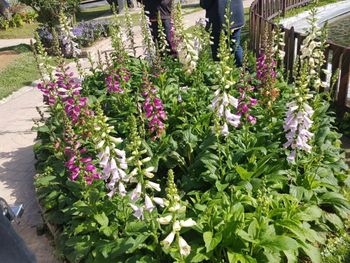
166	23
12	247
235	46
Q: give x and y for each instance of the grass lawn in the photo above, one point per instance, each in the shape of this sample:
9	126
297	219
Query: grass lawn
94	12
299	10
21	72
26	31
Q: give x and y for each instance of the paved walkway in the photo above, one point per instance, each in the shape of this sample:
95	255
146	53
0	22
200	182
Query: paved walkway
17	159
14	42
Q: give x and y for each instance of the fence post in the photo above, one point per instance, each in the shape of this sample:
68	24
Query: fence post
284	6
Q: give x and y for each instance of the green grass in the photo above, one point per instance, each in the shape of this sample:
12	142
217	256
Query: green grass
296	11
26	31
92	13
21	72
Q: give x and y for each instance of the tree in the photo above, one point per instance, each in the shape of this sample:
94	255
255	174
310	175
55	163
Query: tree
49	10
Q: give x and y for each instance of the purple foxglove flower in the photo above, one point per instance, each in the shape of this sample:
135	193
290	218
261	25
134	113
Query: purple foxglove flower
251	119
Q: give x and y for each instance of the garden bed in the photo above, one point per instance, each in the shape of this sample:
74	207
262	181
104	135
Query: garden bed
158	159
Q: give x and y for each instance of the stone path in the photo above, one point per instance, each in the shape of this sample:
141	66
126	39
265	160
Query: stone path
14	42
17	159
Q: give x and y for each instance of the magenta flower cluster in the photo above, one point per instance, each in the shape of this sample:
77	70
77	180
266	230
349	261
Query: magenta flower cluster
65	89
265	69
78	165
246	101
154	110
117	80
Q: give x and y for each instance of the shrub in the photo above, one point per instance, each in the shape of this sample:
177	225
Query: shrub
49	10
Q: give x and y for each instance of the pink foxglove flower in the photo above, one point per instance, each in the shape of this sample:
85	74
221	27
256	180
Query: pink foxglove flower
116	80
154	110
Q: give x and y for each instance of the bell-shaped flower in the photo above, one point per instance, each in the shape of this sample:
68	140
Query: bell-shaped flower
165	220
153	185
122	190
187	223
159	201
169	240
138	211
176	226
136	193
149	204
185	249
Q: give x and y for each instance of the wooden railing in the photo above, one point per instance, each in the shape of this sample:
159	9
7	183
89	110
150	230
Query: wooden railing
262	13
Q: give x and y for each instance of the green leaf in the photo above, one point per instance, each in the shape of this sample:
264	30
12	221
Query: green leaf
313	253
45	180
234	257
279	243
102	219
210	241
243	173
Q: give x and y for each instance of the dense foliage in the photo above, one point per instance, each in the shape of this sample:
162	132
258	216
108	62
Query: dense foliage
49	10
157	159
16	15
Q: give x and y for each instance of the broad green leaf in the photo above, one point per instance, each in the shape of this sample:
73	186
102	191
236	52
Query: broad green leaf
312	252
45	180
279	243
243	173
102	219
210	241
234	257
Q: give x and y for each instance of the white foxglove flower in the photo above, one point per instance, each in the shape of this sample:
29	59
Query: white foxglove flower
185	249
165	220
116	140
169	240
104	161
122	190
136	193
154	186
113	164
224	130
188	223
146	160
148	203
138	211
159	201
100	144
176	226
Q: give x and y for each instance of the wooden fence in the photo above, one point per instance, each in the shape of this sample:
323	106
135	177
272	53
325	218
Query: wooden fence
262	13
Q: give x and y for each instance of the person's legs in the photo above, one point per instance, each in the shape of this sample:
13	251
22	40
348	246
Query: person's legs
215	34
169	36
154	31
236	47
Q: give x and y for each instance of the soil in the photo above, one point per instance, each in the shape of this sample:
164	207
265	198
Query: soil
6	57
